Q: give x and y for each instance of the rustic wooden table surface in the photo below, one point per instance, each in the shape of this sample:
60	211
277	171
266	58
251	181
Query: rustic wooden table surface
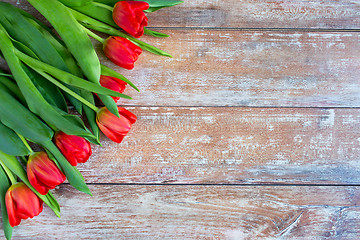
251	131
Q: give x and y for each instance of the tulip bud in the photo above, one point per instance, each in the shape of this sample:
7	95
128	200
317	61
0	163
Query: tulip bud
21	203
43	173
130	17
113	127
121	51
75	149
114	84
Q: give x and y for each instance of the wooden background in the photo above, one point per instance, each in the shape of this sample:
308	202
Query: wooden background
251	131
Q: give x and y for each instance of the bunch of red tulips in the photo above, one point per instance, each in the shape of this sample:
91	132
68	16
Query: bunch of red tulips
47	73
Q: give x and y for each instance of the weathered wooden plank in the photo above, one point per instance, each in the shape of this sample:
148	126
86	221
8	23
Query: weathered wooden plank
326	14
200	212
249	68
262	14
232	145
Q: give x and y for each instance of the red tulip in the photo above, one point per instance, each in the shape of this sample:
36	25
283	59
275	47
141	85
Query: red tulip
114	84
76	149
121	51
43	173
130	17
113	127
21	203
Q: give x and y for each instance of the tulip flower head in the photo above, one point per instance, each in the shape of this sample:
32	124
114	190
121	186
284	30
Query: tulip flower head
75	149
121	51
114	84
113	127
130	16
21	203
43	173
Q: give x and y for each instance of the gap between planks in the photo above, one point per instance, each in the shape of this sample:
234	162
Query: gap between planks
230	106
225	184
256	29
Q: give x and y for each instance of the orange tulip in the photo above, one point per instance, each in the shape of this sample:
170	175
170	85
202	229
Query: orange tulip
21	203
113	127
43	173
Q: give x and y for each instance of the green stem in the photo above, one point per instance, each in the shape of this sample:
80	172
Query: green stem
72	174
25	142
105	28
73	80
103	6
95	36
67	90
8	172
5	74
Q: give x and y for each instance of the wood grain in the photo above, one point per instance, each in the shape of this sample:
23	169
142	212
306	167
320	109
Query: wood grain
327	14
232	145
220	116
248	68
200	212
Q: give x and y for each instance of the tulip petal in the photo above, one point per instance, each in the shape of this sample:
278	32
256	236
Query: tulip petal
10	207
43	173
121	51
139	5
129	115
22	203
76	149
130	17
114	84
113	127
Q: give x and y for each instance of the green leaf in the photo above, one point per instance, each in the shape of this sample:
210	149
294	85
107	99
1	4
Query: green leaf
31	17
91	116
23	31
110	72
77	3
13	164
4	186
77	121
96	25
35	101
155	34
77	41
110	3
10	142
68	59
68	77
74	36
153	9
17	117
48	90
13	88
156	4
100	13
162	3
73	175
53	201
60	48
41	44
